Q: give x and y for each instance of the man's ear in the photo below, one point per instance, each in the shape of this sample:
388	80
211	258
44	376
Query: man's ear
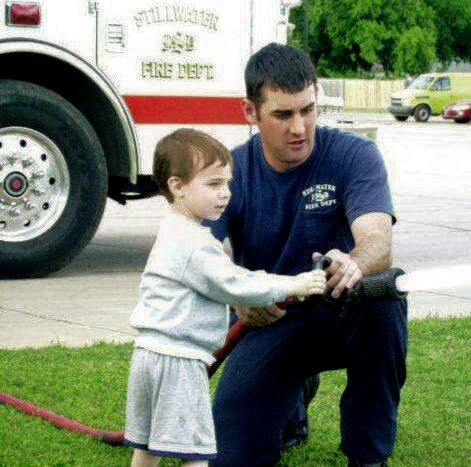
249	110
175	185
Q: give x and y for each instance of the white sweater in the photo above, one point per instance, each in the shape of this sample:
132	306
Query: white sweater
187	282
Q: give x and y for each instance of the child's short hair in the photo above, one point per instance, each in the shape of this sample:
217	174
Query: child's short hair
183	154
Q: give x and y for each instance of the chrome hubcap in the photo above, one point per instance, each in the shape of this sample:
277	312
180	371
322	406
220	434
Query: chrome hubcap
15	184
34	184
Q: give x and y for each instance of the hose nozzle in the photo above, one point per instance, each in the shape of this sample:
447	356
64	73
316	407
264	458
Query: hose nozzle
382	285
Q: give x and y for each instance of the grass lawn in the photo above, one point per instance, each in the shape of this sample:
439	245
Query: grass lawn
89	385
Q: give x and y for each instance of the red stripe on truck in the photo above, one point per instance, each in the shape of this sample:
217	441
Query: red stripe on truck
179	109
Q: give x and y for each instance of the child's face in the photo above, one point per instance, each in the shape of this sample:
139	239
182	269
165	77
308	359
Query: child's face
207	194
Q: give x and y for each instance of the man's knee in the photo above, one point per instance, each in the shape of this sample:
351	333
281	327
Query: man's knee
379	334
387	319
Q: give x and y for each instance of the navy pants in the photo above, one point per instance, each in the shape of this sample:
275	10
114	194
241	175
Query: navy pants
263	378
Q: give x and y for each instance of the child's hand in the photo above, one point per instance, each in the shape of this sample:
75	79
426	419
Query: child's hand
308	283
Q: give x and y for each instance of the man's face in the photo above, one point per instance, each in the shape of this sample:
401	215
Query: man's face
286	123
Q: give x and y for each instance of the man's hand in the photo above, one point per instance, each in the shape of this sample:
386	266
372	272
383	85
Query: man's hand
372	253
344	272
259	316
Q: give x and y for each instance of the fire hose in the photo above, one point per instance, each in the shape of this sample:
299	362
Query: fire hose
381	285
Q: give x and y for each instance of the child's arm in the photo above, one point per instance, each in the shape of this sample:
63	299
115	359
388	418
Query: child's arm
212	273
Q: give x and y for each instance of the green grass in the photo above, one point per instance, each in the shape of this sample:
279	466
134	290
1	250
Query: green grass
89	385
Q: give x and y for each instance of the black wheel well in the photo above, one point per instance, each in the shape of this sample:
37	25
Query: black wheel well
79	90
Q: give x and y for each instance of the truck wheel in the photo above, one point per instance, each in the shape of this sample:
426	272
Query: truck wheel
53	180
401	118
462	120
422	113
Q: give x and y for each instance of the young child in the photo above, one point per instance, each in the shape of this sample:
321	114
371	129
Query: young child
182	316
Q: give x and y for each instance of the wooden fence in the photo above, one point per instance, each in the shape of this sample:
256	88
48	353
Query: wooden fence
370	94
363	93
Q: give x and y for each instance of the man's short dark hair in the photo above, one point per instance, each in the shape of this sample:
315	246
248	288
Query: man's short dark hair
278	66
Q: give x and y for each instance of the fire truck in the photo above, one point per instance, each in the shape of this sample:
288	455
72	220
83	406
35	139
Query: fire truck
86	90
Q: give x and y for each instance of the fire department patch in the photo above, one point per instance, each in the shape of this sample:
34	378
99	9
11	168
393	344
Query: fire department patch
318	196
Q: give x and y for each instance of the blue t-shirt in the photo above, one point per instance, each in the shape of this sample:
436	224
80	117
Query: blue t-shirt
276	220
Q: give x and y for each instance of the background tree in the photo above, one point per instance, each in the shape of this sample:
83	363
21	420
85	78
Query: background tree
413	53
350	36
453	23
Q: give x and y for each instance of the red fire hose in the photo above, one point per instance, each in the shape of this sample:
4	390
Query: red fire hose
378	286
235	334
115	438
111	437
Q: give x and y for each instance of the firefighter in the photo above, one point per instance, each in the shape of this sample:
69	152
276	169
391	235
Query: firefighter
277	222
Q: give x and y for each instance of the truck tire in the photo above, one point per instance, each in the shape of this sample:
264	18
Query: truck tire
422	113
53	180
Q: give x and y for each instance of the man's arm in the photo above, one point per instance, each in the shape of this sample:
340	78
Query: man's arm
372	233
